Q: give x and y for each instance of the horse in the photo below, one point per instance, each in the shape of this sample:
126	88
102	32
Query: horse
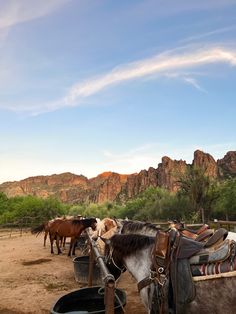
101	241
103	226
134	252
70	228
46	228
129	252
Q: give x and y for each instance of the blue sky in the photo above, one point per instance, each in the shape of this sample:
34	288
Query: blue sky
96	85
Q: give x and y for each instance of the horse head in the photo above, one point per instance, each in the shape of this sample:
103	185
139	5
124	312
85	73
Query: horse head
93	223
114	263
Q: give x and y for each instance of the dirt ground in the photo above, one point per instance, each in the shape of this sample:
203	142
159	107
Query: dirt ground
31	279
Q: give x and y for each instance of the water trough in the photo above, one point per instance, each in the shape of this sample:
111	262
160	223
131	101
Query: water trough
81	270
88	301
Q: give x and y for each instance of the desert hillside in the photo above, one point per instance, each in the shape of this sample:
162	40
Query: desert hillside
110	186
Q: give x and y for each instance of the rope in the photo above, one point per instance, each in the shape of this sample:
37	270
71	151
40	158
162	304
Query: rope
119	301
101	291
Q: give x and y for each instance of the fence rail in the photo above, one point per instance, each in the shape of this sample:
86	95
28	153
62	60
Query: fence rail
229	225
12	232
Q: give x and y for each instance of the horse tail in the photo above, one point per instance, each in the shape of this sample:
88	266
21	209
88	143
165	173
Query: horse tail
38	230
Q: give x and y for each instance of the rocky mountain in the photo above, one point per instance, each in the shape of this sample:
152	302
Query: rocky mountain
110	186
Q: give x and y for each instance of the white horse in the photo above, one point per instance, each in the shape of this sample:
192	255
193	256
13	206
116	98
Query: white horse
231	235
133	252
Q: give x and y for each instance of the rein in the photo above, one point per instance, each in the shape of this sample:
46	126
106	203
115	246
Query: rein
111	259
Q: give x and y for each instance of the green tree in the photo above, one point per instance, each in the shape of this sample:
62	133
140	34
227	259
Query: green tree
196	186
3	203
225	206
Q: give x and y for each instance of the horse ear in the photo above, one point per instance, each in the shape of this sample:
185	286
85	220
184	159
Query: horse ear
118	223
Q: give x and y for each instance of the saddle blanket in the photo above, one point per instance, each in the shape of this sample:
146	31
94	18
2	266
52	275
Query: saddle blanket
214	268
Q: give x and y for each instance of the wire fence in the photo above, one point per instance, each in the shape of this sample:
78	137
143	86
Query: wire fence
18	228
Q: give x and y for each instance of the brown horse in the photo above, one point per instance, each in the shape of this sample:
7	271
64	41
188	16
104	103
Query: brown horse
70	228
46	227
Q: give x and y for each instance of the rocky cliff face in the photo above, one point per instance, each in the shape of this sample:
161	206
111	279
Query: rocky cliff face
227	165
169	171
110	186
207	162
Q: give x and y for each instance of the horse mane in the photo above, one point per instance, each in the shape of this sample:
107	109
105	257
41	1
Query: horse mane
127	244
85	222
138	227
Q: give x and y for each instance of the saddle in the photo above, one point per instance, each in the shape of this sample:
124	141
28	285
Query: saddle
173	256
202	234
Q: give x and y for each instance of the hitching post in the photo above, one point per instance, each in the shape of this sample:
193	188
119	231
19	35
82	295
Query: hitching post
91	264
108	279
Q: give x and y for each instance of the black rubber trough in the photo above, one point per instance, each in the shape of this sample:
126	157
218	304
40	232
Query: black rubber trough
81	270
88	301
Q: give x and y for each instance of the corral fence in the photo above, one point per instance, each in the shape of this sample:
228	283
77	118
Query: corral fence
229	225
23	225
19	227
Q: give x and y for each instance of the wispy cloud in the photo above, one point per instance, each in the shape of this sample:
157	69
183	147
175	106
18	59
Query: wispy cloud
194	83
160	64
187	77
208	34
13	12
176	61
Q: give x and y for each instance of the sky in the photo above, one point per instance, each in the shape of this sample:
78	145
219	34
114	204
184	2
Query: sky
88	86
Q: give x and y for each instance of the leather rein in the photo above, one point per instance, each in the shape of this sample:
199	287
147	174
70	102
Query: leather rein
110	260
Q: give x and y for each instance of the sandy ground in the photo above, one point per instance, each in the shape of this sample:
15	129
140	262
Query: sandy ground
31	279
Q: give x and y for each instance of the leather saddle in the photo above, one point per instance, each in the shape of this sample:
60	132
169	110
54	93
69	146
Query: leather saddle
174	254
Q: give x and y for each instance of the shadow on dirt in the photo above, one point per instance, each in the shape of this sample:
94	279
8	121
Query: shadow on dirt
36	262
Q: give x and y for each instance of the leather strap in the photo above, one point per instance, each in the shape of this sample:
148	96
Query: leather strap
144	283
147	280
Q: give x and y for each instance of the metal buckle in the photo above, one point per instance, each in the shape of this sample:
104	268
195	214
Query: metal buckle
160	270
152	275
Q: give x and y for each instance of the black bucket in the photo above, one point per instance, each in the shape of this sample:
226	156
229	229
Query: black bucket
81	270
88	301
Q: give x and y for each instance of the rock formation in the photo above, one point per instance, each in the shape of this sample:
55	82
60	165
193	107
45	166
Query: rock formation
227	165
110	186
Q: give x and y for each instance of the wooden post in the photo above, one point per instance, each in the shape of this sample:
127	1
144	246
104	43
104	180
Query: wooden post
202	215
108	279
109	297
91	264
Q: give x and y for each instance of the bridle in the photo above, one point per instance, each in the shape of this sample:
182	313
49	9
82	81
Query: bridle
110	261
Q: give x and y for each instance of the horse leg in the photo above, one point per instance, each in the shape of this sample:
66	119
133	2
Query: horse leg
60	241
45	238
64	242
74	246
51	236
57	243
71	246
